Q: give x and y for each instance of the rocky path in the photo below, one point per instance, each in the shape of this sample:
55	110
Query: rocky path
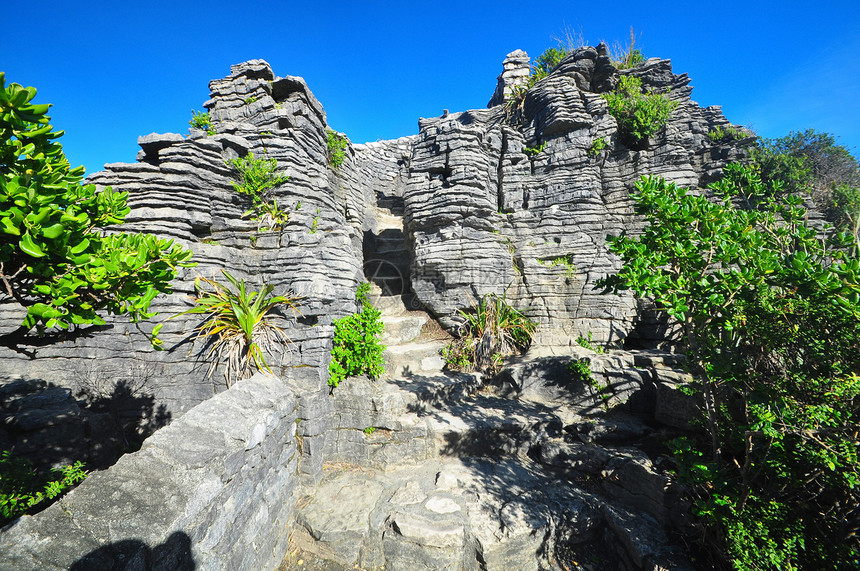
433	470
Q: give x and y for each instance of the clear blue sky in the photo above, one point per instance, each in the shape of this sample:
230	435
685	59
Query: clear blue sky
117	70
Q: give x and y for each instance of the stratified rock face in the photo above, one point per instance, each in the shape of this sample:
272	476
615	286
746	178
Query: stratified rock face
182	188
518	202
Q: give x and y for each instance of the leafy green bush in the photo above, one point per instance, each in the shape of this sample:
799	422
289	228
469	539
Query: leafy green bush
22	488
200	120
730	133
357	348
492	331
336	145
639	115
811	163
770	316
54	258
238	324
549	60
259	176
845	210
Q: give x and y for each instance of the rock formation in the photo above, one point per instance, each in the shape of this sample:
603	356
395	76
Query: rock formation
423	469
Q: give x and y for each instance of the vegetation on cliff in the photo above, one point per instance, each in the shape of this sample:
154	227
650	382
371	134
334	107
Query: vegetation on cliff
238	324
770	314
56	259
492	330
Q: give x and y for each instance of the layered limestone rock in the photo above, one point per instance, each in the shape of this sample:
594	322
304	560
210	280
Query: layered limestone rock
182	188
517	200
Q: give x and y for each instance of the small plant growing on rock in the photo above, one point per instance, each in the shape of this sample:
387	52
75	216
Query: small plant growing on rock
492	331
259	176
238	324
626	57
532	151
200	120
357	348
730	133
596	146
588	343
639	114
565	261
22	488
336	145
543	66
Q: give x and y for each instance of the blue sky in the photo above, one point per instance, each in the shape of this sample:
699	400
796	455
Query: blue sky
117	70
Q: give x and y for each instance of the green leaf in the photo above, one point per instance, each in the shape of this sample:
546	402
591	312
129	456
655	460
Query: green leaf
30	247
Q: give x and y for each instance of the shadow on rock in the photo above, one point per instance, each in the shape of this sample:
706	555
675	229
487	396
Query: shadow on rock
47	425
172	555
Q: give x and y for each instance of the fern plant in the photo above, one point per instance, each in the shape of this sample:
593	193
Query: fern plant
357	347
238	324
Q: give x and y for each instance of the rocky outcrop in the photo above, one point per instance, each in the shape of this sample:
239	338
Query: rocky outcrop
517	67
495	202
182	188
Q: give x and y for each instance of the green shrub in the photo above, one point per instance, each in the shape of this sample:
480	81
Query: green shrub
730	133
596	146
639	115
238	324
357	347
22	488
580	370
259	177
492	331
200	120
548	61
55	258
336	145
770	316
811	163
532	151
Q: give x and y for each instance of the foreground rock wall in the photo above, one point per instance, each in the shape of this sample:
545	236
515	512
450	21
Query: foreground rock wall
214	490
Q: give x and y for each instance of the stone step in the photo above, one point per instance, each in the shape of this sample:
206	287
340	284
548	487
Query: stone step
402	328
414	358
386	220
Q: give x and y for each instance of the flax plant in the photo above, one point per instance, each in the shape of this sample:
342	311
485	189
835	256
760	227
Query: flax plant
238	324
